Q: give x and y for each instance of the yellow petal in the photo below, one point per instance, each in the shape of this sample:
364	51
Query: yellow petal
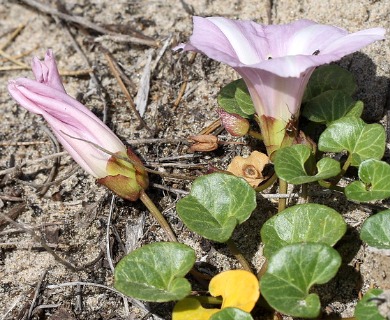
238	288
191	309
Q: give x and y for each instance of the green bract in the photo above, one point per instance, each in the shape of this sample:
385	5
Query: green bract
374	184
155	272
376	230
292	271
216	204
302	223
362	141
292	164
235	98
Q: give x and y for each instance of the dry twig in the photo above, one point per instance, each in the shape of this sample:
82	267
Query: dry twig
86	23
36	293
183	85
42	242
114	69
135	302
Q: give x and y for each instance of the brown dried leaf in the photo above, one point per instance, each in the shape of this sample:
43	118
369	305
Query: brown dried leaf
204	142
250	168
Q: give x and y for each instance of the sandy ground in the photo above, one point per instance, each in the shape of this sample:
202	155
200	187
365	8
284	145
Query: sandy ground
72	214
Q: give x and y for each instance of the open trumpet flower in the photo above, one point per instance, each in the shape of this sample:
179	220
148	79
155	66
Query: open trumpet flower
276	62
79	130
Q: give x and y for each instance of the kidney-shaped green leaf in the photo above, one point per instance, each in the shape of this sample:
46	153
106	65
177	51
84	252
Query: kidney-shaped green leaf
376	230
292	271
155	272
329	77
374	184
363	141
216	204
302	223
330	106
291	165
367	308
235	98
231	314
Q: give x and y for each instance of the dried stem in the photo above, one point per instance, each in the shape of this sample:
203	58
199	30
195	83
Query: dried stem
184	84
12	36
42	242
114	69
86	23
137	303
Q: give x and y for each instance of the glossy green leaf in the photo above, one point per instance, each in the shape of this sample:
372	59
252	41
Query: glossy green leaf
376	230
302	223
231	314
367	308
292	271
329	77
291	164
235	98
356	110
328	106
363	141
216	204
374	182
155	272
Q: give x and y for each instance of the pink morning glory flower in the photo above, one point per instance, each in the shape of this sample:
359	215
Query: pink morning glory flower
275	61
69	119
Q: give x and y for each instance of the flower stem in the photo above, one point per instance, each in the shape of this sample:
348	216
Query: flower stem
238	255
267	184
343	169
333	185
282	190
304	193
158	216
168	230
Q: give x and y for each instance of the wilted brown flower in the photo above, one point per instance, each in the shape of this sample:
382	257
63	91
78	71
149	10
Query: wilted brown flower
250	168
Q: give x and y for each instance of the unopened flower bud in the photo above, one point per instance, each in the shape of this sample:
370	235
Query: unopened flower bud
79	130
233	123
126	179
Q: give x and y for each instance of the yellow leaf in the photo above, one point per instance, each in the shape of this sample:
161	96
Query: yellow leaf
191	309
238	288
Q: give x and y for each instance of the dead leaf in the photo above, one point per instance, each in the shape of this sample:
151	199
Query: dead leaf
250	168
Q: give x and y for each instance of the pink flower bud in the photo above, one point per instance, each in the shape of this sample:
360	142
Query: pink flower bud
234	124
71	121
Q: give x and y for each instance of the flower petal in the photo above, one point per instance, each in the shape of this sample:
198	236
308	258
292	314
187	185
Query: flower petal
190	308
238	288
68	121
354	41
46	72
